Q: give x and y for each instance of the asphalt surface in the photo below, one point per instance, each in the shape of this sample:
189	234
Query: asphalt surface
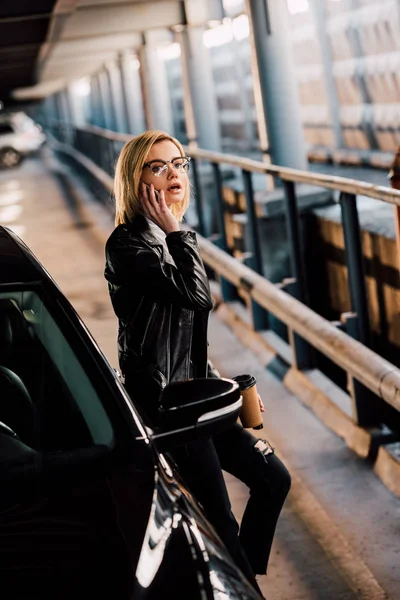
338	536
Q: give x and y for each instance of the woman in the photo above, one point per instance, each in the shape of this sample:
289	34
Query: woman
161	296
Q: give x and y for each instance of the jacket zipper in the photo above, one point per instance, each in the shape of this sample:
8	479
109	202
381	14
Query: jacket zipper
132	319
189	360
168	349
149	322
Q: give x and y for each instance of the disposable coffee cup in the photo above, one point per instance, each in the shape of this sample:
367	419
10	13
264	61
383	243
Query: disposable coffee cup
250	413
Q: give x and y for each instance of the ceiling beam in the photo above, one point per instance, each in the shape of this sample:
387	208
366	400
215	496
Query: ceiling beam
121	18
59	17
22	18
136	37
18	48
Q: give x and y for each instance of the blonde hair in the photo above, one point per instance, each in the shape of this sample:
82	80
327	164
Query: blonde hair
128	173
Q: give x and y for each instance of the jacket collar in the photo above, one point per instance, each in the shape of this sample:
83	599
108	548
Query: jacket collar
139	227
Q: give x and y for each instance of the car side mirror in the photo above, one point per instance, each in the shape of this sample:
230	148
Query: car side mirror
196	408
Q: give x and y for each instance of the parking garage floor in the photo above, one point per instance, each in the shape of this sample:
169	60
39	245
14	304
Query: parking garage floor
338	536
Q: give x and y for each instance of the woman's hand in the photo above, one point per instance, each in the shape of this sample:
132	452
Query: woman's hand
261	403
158	211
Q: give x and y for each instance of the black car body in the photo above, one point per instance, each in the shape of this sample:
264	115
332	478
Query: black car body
89	506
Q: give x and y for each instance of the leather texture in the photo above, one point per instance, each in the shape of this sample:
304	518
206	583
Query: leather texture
162	309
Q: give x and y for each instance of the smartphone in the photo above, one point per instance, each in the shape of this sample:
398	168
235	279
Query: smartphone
156	192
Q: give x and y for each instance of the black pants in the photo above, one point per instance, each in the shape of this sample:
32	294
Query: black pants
199	465
268	481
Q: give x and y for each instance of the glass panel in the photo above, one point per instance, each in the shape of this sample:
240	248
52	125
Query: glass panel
65	410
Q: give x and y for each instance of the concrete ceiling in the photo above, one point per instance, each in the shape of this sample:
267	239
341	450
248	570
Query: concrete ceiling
83	35
23	28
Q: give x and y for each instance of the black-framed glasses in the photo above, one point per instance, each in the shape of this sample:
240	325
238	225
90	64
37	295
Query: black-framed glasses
159	167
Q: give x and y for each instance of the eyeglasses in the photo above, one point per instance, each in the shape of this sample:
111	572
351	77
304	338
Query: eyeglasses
159	167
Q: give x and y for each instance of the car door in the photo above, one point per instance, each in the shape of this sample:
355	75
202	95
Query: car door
86	502
76	474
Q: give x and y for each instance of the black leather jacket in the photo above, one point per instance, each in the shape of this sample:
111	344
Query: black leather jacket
162	309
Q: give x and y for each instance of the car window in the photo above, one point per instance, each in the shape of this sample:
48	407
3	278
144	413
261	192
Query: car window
5	129
46	396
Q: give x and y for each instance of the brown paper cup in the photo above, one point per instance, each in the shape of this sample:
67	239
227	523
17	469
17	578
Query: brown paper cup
250	414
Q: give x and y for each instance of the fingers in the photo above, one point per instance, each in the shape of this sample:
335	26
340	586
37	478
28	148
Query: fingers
146	199
162	202
144	194
155	208
153	199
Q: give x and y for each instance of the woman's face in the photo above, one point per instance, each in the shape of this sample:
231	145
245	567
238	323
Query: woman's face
172	181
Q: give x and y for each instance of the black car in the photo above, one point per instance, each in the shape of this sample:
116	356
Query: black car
90	505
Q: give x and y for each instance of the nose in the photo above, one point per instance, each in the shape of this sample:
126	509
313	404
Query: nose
172	170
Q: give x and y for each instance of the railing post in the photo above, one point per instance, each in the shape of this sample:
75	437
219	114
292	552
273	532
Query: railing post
227	289
107	158
96	148
111	157
77	138
294	240
259	314
301	349
367	407
355	266
198	198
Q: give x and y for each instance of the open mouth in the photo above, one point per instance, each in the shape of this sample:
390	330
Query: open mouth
174	188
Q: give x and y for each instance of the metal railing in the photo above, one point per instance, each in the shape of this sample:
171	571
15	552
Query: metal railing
351	351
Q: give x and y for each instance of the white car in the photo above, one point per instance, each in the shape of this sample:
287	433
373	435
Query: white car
19	135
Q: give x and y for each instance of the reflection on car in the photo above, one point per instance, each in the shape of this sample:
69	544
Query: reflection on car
90	501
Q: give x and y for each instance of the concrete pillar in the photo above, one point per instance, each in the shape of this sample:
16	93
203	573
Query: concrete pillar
270	31
259	107
106	101
118	105
241	75
51	107
63	116
157	105
320	15
98	117
200	103
50	112
61	108
68	107
73	105
69	115
56	105
132	93
46	112
75	102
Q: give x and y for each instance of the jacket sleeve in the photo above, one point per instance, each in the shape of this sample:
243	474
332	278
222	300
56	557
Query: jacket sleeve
130	261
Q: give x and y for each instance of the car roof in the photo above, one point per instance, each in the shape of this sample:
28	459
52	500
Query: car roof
17	262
